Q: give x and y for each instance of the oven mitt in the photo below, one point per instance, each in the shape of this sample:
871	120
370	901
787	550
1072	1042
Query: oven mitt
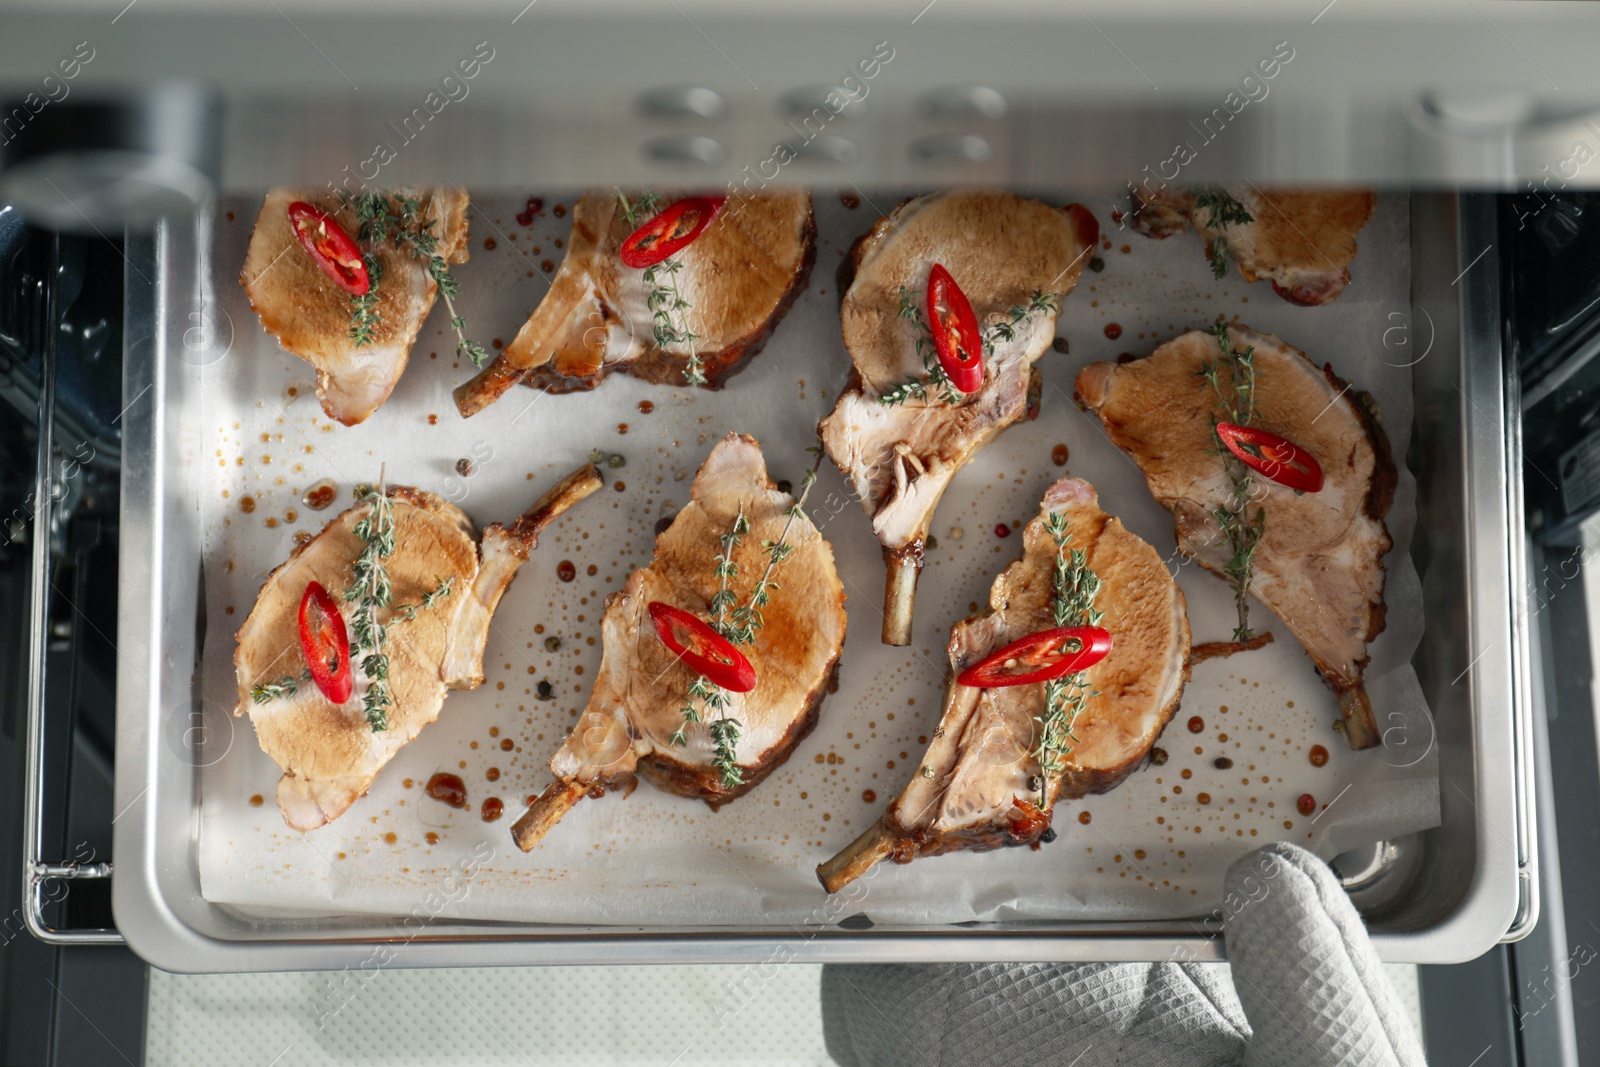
1305	970
1314	995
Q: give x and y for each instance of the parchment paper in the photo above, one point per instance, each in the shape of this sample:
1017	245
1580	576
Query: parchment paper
1149	849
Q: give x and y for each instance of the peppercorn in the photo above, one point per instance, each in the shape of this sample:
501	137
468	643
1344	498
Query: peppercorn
1158	756
552	644
1048	836
616	459
545	689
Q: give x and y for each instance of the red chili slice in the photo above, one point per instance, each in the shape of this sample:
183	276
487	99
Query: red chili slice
1045	652
325	643
670	231
702	648
955	331
1273	457
333	249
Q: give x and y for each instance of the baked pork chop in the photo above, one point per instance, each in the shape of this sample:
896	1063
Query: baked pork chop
310	314
899	435
1318	559
635	722
737	278
444	587
1302	241
983	783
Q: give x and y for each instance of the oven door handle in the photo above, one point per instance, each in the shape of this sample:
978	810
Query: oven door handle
36	872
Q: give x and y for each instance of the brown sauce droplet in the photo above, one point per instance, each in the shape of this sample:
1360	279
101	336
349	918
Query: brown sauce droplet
849	199
1113	330
1058	455
1138	853
302	537
431	838
320	495
591	570
247	504
1319	756
433	420
272	522
506	744
257	800
646	407
1305	805
1204	798
622	427
493	808
868	795
493	774
464	467
448	789
619	485
1196	724
488	244
390	838
546	266
291	515
1085	818
559	211
566	571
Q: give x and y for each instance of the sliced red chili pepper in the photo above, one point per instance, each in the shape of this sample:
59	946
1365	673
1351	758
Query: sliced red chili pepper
1272	456
955	331
1040	657
333	249
325	643
670	231
705	651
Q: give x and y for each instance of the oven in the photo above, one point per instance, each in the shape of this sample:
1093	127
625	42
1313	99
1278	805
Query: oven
138	131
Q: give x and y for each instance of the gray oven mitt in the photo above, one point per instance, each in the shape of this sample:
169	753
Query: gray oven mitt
1313	995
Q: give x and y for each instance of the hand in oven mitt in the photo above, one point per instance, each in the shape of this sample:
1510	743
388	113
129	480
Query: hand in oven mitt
1311	993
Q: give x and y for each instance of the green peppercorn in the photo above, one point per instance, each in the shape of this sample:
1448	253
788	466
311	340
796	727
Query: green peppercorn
615	460
552	644
1158	756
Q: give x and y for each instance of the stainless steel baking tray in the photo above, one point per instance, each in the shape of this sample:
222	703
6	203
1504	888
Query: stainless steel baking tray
1439	896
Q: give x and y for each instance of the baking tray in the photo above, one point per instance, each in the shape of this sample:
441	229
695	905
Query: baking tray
1443	895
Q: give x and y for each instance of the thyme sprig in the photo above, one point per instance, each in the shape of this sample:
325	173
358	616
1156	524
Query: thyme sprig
1006	329
934	376
1222	211
370	592
442	590
1076	587
399	220
742	626
665	301
1237	398
285	686
738	625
